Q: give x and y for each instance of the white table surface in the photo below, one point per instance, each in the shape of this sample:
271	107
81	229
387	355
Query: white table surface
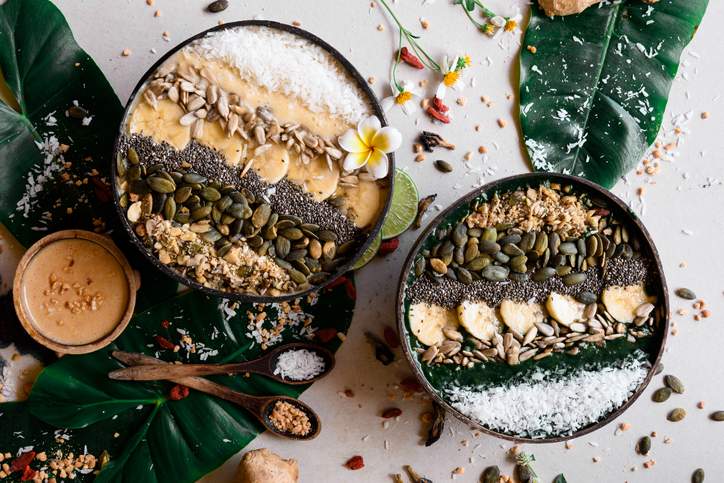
682	208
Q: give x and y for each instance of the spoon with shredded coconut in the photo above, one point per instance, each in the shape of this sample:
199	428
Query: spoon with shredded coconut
294	363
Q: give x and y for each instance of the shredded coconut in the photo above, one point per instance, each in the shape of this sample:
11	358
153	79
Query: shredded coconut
299	365
547	404
286	63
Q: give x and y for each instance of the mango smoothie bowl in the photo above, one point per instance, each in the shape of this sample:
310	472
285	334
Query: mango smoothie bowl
254	163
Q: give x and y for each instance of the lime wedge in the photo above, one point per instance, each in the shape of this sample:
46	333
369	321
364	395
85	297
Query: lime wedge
404	206
369	254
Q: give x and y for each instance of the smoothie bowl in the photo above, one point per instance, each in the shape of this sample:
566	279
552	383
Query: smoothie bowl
230	168
535	308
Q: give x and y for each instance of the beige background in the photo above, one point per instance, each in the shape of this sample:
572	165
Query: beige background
682	207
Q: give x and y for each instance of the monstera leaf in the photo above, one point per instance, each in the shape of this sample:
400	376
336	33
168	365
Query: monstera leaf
163	439
58	120
592	96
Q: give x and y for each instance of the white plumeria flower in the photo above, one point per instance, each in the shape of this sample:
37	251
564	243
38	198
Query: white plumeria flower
406	95
368	145
452	75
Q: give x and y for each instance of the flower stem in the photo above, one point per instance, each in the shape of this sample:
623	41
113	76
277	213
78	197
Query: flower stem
425	58
486	11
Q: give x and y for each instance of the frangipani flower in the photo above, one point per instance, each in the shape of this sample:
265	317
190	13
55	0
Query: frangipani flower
368	145
452	74
404	95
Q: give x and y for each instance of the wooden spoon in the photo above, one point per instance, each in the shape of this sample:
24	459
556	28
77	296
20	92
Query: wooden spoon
264	365
260	406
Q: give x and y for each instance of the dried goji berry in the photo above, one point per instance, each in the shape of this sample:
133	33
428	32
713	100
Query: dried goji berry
336	283
434	113
102	190
410	384
391	337
22	461
388	246
164	343
326	334
165	324
178	392
391	413
351	291
439	105
28	474
355	463
410	59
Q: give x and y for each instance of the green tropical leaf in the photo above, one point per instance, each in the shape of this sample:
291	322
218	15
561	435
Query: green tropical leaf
177	441
560	479
592	96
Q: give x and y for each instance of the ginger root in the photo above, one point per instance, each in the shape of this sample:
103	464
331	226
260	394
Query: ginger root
570	7
263	466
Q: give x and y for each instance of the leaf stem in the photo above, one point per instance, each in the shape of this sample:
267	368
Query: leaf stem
425	58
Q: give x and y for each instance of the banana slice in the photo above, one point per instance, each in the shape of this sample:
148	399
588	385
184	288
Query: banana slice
160	124
364	202
215	137
521	316
316	177
273	164
479	319
622	302
564	308
427	322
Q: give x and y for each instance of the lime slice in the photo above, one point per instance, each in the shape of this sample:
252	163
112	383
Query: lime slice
404	206
369	254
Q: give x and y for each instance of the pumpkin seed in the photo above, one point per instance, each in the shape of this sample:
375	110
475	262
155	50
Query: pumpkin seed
443	166
296	254
717	416
169	208
512	250
478	263
202	212
676	415
282	246
419	266
132	155
261	216
460	235
211	236
490	475
661	394
554	242
568	248
574	279
495	273
193	178
564	270
297	276
544	274
329	250
698	476
514	239
182	194
541	243
587	297
293	233
438	265
674	383
210	194
318	278
517	264
161	185
489	247
527	241
685	293
463	275
643	446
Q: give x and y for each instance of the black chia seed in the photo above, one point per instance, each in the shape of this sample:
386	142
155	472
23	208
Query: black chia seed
284	197
450	293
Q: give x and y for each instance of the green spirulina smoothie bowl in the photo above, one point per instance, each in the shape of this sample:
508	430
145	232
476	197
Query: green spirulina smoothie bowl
534	308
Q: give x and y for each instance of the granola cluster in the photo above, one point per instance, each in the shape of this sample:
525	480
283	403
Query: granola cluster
240	269
534	209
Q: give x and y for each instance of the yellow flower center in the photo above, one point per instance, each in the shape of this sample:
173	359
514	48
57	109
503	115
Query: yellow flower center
403	97
510	25
468	60
489	29
451	78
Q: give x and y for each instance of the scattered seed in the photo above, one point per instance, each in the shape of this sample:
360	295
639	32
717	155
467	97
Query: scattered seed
717	416
698	476
661	395
443	166
685	293
126	52
218	6
674	383
676	415
644	446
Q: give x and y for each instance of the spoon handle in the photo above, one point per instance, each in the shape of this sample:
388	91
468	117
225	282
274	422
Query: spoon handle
252	403
154	372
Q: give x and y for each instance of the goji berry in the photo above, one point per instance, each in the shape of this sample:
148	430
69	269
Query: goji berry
102	190
410	384
434	113
336	283
178	392
326	334
28	474
388	246
355	463
165	324
391	413
22	461
439	105
391	337
410	59
351	291
164	343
